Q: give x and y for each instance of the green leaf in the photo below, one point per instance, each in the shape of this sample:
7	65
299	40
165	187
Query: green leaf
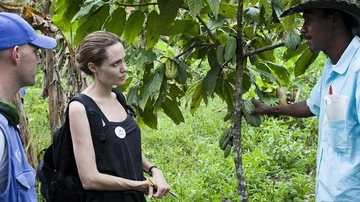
230	49
293	53
186	27
133	98
133	26
251	13
172	110
304	62
182	74
195	7
199	53
210	79
152	29
220	54
214	6
88	8
152	87
246	82
175	91
168	12
267	7
145	57
260	43
116	21
92	23
195	92
149	117
228	10
64	12
265	72
280	71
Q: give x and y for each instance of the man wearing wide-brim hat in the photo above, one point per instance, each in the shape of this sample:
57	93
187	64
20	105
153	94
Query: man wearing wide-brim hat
331	26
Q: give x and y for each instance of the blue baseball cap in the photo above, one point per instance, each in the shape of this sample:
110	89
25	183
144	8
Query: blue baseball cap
15	31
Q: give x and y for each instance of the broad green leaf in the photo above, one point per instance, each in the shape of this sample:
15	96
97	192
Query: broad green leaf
150	117
280	71
127	83
88	8
195	93
199	53
265	73
251	14
145	57
293	53
267	55
226	93
195	7
133	98
168	12
230	49
91	23
228	10
171	109
220	54
267	7
211	77
65	11
152	29
175	91
152	88
246	84
278	7
116	21
186	27
182	74
133	26
214	5
304	62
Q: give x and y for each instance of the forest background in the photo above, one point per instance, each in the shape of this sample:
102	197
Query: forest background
193	66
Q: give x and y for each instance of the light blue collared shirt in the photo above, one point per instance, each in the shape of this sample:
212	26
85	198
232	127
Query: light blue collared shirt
338	157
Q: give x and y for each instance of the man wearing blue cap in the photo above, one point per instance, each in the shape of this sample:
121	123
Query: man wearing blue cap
331	26
19	44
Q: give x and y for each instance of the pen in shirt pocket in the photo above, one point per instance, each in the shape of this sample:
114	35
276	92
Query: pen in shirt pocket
330	90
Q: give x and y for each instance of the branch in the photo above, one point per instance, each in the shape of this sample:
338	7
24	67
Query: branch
263	49
191	47
208	30
136	5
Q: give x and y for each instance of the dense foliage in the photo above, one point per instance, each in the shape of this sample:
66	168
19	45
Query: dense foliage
182	53
168	41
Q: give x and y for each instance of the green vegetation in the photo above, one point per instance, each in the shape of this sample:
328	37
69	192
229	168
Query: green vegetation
279	156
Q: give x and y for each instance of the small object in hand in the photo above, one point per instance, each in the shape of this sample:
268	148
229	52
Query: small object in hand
153	185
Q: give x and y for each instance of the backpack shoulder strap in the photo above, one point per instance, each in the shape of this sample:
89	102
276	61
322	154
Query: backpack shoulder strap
121	98
90	105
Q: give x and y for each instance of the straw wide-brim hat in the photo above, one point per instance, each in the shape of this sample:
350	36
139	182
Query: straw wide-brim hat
350	7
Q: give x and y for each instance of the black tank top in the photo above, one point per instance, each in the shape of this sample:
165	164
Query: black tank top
118	152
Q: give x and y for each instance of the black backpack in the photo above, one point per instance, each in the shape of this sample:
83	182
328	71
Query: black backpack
57	170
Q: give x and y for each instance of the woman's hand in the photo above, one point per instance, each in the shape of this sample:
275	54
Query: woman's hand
162	187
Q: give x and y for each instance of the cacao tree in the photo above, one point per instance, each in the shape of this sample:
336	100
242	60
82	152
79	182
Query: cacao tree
187	51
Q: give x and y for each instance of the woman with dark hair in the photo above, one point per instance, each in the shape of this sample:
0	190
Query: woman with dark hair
112	171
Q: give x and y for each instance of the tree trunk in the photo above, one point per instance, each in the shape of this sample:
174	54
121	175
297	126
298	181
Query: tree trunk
238	106
25	133
53	90
281	93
